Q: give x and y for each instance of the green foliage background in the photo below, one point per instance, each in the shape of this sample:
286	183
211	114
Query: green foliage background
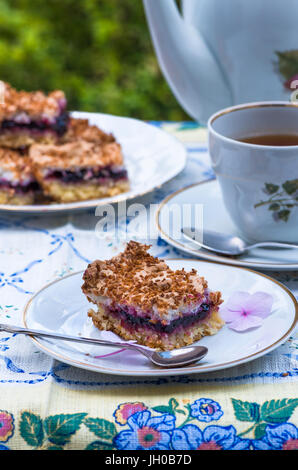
98	51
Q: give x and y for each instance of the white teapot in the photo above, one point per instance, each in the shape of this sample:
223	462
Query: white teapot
225	52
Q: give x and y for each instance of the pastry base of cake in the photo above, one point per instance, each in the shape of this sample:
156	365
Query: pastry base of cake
160	341
62	192
24	139
8	197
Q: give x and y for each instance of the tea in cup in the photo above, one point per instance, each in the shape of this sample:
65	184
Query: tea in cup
254	153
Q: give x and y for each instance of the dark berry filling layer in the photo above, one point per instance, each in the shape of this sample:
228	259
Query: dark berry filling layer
20	188
59	126
87	174
186	321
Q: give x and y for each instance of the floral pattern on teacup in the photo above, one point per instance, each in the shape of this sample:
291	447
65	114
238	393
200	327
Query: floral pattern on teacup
282	199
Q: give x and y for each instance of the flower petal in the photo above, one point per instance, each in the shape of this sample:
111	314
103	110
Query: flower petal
125	440
230	315
260	304
179	440
235	306
138	420
246	322
241	444
278	435
194	435
187	438
165	422
260	445
237	300
224	436
164	441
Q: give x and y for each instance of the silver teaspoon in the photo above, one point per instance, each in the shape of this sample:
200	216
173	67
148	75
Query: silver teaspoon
175	358
228	244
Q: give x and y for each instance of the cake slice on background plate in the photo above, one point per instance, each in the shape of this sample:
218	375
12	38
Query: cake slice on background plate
140	298
79	170
17	182
82	129
28	117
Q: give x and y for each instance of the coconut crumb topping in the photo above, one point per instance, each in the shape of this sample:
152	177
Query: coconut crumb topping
14	166
33	104
76	154
136	278
81	129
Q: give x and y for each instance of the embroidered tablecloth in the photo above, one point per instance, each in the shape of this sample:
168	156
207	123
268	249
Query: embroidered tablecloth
45	404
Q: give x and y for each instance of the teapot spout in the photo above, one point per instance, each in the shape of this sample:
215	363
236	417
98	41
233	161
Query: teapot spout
192	72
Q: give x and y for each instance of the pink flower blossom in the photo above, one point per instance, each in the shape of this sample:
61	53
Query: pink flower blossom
125	410
6	425
244	311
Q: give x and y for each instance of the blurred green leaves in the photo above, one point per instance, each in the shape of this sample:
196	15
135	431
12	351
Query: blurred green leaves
98	51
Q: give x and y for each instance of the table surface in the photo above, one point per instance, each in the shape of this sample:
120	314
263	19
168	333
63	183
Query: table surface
47	404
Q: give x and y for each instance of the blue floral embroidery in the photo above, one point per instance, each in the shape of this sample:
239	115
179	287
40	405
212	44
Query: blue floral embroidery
190	437
14	279
206	410
58	240
146	432
280	437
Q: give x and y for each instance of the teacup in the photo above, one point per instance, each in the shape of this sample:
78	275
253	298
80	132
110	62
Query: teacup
259	183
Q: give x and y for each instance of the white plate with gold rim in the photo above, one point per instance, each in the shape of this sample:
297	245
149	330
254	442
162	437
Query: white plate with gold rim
152	157
61	307
216	217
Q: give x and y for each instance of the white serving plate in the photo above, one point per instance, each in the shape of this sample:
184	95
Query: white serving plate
62	307
152	157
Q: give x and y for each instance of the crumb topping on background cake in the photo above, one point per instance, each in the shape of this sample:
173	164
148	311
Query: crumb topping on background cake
137	278
81	129
33	104
76	154
13	165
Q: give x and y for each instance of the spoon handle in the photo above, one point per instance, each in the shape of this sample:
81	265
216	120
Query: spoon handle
273	244
78	339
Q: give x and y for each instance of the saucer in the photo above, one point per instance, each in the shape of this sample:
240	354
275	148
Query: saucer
216	217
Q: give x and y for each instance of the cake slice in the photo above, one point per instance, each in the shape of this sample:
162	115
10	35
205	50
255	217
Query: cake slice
17	183
82	129
79	170
140	298
28	117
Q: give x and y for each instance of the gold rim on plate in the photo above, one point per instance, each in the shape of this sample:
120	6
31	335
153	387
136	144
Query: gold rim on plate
188	370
